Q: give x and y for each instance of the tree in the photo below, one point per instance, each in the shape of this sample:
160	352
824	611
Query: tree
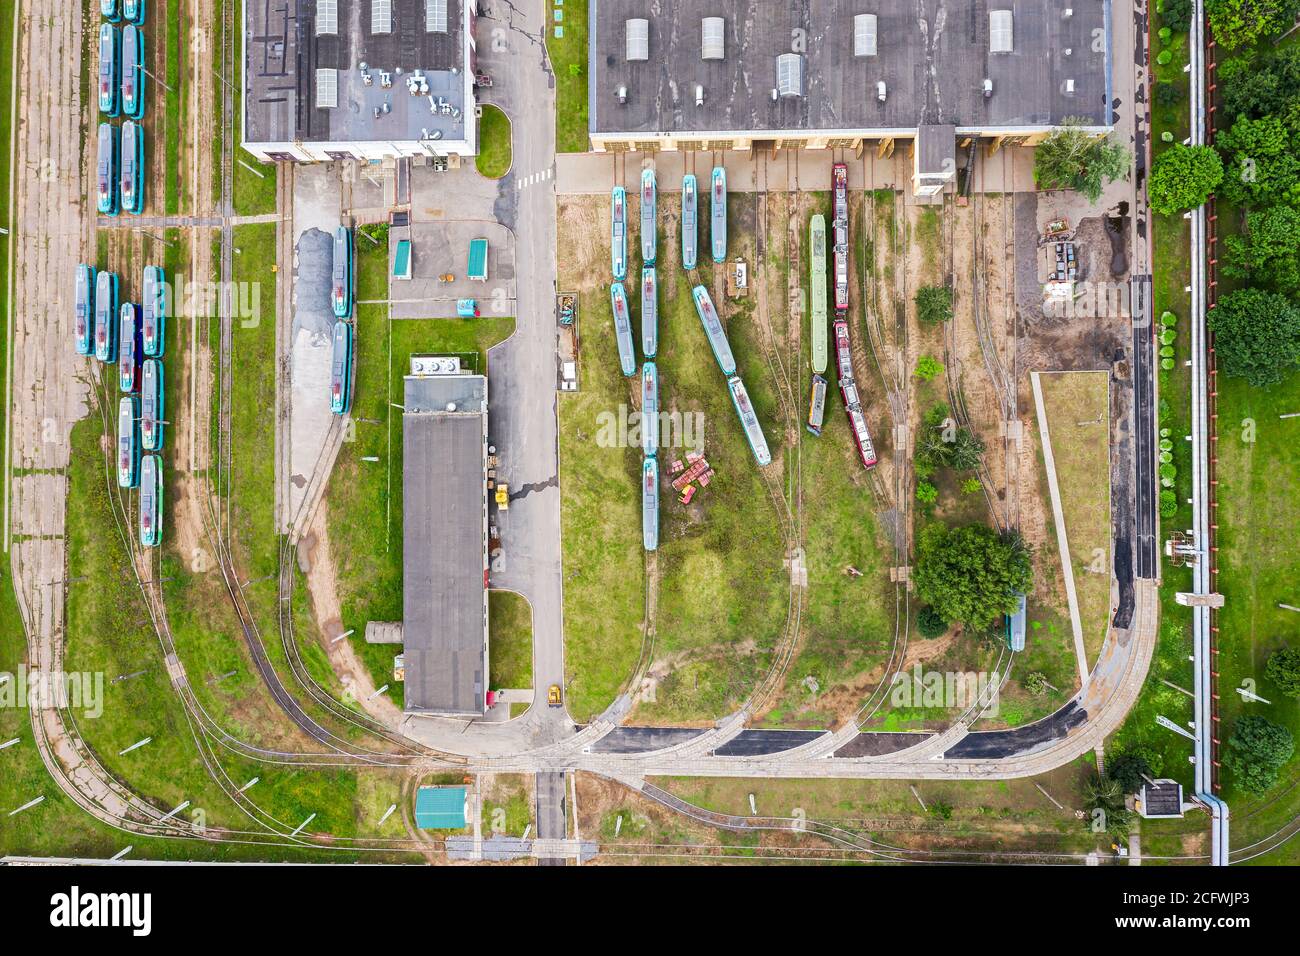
1256	752
1072	158
1108	812
1260	167
934	304
1241	22
1177	14
1268	252
1257	335
927	367
1128	768
971	573
1283	669
930	623
1183	177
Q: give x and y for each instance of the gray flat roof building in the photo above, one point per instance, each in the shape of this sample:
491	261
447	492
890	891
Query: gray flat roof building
444	543
820	72
308	98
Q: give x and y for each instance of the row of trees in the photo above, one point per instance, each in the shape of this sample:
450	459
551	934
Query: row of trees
1255	166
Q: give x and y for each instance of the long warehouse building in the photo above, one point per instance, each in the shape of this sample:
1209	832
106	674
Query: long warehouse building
842	74
445	544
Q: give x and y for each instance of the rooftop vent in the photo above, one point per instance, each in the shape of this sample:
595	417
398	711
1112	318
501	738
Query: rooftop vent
621	94
638	40
880	90
789	74
999	31
327	17
435	16
1069	86
988	87
714	43
381	17
864	34
699	94
327	88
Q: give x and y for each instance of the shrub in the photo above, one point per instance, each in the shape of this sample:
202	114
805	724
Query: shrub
1283	669
1182	177
971	486
1164	56
927	367
1256	752
930	623
1168	95
934	304
1177	14
926	493
1168	503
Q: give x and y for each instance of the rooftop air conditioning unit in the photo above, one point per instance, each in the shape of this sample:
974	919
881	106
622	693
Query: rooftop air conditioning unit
880	91
988	87
621	94
699	95
1069	86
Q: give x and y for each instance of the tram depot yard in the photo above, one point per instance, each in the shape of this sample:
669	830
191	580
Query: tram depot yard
422	516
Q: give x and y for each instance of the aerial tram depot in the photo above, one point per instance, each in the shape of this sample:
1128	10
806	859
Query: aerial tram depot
838	240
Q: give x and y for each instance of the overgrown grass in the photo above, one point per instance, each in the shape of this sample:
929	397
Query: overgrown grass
494	148
1077	407
510	641
569	60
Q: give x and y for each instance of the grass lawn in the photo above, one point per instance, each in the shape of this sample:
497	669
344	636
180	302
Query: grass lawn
507	804
568	55
494	155
510	641
1077	405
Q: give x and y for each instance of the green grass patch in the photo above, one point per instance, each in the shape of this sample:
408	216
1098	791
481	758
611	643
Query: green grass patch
494	152
569	61
510	641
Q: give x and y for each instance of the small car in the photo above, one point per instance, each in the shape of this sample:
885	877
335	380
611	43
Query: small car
553	696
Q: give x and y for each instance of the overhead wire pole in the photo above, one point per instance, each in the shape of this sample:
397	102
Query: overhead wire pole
1202	585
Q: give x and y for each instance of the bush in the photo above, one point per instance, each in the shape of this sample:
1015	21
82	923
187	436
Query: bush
934	304
1168	319
1268	252
1182	177
1164	56
927	367
1168	503
1168	95
1256	752
1283	669
926	493
930	623
971	486
1177	14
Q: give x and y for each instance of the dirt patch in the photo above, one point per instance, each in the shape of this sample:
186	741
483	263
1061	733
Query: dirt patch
317	561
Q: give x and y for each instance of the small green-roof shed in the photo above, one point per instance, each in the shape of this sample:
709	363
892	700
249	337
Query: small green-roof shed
440	808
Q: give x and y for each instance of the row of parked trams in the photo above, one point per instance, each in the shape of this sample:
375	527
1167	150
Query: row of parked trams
119	166
713	329
131	336
343	333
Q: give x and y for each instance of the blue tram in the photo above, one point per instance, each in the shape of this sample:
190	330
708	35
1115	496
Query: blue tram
106	316
153	321
153	404
83	331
